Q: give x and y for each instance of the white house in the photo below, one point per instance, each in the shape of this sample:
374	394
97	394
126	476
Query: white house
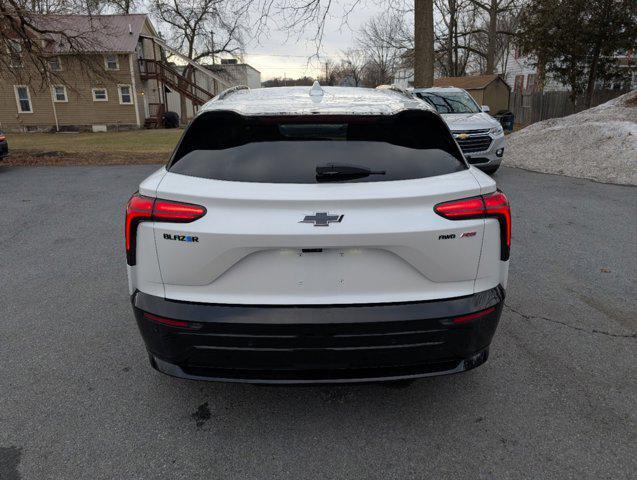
522	76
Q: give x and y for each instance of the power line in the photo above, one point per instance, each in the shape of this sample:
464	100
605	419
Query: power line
277	55
320	58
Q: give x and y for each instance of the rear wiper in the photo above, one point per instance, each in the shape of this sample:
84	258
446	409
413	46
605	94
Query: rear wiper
340	172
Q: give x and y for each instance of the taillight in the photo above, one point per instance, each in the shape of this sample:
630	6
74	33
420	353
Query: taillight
2	138
169	211
497	206
493	205
142	209
139	209
461	209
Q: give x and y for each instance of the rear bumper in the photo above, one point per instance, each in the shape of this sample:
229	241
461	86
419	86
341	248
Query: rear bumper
318	344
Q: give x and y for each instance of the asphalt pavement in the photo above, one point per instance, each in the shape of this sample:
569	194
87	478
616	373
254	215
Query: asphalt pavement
78	399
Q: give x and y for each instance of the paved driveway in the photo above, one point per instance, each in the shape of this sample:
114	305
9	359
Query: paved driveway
78	399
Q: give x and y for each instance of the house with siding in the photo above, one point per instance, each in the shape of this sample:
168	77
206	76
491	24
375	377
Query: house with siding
242	73
229	71
523	77
118	78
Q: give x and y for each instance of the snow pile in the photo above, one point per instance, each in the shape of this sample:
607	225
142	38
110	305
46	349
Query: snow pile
599	143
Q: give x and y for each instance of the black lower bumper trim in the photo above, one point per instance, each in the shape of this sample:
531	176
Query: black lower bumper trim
318	376
318	344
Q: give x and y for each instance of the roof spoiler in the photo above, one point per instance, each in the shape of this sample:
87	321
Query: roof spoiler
230	91
396	88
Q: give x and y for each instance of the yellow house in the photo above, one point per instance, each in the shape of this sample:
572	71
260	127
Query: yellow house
118	78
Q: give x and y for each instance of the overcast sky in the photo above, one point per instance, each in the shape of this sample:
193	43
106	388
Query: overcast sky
275	56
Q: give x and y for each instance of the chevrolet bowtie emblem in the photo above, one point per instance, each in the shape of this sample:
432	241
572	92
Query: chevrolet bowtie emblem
322	219
463	136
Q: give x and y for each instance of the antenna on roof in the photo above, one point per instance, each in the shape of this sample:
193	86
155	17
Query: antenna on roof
130	29
316	90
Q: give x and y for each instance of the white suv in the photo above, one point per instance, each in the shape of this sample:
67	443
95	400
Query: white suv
479	135
317	235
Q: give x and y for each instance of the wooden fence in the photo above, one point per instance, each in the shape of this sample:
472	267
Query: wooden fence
533	107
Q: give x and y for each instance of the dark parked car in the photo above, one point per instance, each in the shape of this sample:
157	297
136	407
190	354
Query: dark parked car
4	146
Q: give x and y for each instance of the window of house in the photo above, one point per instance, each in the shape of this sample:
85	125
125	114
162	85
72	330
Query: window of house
111	62
125	95
23	99
55	64
518	85
100	95
59	93
15	53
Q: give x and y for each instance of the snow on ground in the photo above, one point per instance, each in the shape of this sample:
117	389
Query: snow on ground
599	143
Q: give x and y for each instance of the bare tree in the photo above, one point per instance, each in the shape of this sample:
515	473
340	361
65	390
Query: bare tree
201	28
124	7
31	35
492	11
353	65
284	82
300	18
453	36
379	40
331	73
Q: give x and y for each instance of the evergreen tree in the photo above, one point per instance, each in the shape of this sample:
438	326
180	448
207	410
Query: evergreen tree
577	41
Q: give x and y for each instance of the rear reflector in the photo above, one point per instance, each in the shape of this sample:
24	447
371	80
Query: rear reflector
142	209
493	205
166	321
472	316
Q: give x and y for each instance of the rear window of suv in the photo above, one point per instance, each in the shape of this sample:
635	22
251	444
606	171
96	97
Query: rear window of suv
314	149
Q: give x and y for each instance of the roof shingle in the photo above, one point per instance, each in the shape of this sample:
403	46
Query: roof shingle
93	33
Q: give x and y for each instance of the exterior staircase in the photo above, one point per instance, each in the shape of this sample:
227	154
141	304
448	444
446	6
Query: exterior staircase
189	87
171	77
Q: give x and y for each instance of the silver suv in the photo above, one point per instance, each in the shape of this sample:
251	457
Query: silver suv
479	135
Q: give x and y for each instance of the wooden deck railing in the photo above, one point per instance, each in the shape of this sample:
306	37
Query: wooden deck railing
155	69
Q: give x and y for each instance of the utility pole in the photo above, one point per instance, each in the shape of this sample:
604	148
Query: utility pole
423	43
326	66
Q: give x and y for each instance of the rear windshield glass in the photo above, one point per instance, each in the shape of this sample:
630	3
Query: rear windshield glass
316	149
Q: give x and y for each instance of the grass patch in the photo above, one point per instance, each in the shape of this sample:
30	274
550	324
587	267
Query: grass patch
108	148
134	141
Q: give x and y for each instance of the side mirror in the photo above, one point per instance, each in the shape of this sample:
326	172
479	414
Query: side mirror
486	109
